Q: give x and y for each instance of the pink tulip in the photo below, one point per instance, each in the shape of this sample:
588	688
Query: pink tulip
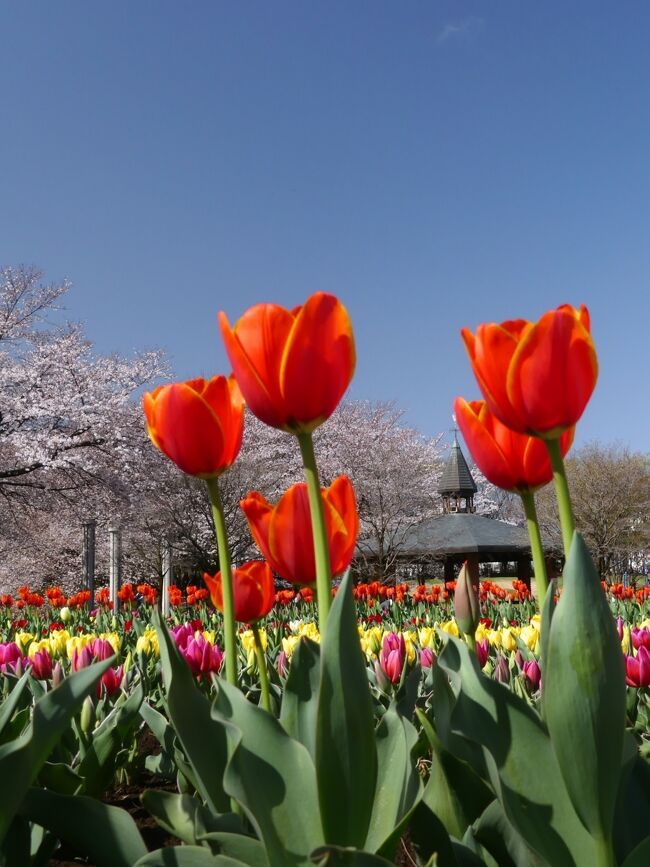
102	649
532	673
282	664
640	637
637	668
201	656
482	652
42	665
182	635
393	655
427	657
82	658
11	659
111	681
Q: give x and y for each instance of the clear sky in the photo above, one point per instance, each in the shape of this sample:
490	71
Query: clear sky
435	164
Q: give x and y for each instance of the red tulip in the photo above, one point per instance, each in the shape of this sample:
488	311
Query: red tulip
283	532
293	366
198	424
253	590
510	460
537	378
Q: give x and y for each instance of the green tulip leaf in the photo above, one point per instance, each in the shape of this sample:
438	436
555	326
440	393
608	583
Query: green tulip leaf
171	757
346	755
186	817
12	702
300	701
272	776
98	764
202	738
494	832
632	818
60	777
521	763
454	792
399	786
246	849
444	701
22	758
187	856
640	857
105	834
430	838
342	856
584	693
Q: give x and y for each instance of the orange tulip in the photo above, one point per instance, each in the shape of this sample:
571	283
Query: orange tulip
198	424
253	590
283	532
537	378
510	460
293	366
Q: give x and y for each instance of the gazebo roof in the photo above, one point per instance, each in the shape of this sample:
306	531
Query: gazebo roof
462	533
456	477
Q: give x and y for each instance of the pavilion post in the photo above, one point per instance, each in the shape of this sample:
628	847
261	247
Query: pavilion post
88	559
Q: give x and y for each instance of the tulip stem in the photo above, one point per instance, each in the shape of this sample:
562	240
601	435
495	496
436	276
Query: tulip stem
319	530
226	580
537	550
261	665
562	493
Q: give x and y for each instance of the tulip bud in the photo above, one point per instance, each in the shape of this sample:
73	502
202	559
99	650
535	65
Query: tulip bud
128	662
502	670
57	675
532	673
482	652
466	604
65	614
427	657
382	681
283	664
87	722
519	659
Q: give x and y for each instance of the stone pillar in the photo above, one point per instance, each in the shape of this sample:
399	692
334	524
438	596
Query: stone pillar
168	575
114	565
88	559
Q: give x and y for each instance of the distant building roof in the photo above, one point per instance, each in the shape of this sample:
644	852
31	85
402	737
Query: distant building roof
456	477
462	533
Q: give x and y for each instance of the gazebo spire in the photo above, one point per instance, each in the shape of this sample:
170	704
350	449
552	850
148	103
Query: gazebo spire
457	485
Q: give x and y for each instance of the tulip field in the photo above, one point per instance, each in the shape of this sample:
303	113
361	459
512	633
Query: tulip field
322	721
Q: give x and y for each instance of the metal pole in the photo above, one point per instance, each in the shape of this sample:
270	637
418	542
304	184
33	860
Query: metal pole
114	565
88	559
168	575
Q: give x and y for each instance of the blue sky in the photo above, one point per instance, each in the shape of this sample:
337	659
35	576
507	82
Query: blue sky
435	164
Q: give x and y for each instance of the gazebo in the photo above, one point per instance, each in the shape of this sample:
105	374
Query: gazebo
460	534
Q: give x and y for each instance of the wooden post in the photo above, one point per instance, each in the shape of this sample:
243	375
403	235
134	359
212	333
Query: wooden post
88	559
168	575
114	565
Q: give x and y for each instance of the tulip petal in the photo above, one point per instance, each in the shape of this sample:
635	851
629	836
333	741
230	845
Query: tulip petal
258	513
290	537
343	523
490	352
553	372
487	453
255	347
318	361
188	431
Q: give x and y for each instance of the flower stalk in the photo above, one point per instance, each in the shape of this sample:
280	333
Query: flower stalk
537	550
226	577
319	530
567	521
261	665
